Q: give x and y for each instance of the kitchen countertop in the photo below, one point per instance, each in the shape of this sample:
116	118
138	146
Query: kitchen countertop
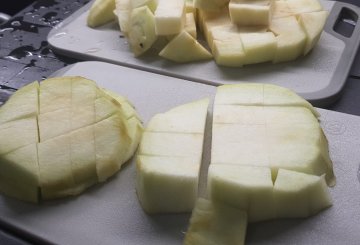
25	56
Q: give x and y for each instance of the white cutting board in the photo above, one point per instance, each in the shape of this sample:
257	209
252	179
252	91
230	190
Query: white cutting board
110	214
318	77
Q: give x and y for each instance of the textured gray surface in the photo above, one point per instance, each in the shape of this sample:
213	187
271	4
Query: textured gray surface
110	213
312	76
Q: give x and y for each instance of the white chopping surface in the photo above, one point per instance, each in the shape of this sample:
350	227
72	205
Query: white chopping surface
110	214
318	76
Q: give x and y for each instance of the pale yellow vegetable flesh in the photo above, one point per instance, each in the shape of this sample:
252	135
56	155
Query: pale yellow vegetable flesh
68	135
169	159
215	223
101	12
184	48
270	30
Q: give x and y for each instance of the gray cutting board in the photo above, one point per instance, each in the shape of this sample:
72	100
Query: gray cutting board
318	77
110	214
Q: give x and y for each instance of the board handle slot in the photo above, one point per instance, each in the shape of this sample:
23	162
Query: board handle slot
346	22
343	22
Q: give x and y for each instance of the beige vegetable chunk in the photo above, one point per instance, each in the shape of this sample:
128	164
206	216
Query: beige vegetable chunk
247	188
260	94
281	9
23	103
83	158
169	159
184	48
123	11
210	5
213	223
12	140
169	17
112	143
258	47
101	12
290	38
142	30
297	142
151	4
56	177
304	6
167	184
269	155
190	24
293	194
313	24
181	119
210	19
20	181
300	195
250	12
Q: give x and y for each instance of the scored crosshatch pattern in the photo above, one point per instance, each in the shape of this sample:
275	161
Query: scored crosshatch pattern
273	127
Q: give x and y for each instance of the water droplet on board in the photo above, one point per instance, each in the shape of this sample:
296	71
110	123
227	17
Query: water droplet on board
334	127
16	23
60	34
7	29
92	50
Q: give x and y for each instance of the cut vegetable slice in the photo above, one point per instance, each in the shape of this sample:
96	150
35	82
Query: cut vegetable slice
151	4
123	10
83	159
184	48
83	136
250	12
22	104
300	195
125	105
313	24
181	119
101	12
169	159
142	30
190	25
171	144
20	180
210	5
260	94
111	144
281	9
213	223
304	6
290	38
239	144
55	94
12	140
56	177
258	47
167	184
244	187
170	17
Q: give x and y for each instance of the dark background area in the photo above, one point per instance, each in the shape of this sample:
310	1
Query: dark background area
14	6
